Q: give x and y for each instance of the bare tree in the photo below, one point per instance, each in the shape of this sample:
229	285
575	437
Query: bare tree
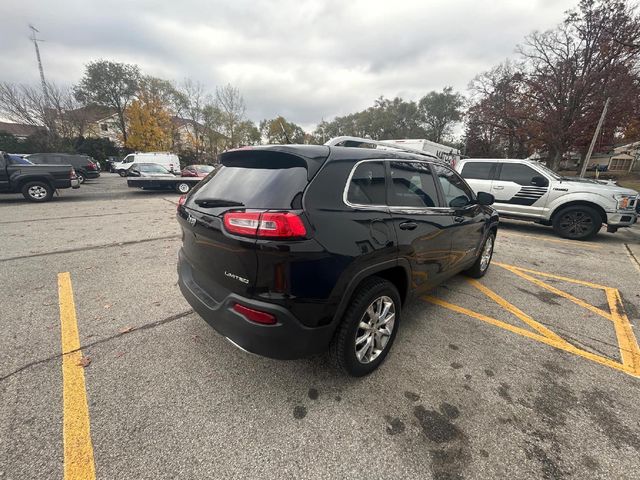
232	110
192	99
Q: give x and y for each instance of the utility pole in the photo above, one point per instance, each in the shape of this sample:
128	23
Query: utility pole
35	41
593	140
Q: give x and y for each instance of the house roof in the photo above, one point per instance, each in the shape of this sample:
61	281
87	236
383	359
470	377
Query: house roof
19	129
92	113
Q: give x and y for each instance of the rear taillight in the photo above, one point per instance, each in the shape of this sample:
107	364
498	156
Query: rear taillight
255	315
181	200
265	224
92	166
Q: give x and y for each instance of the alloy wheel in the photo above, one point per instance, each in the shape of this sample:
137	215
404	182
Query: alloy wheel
576	223
487	251
37	192
375	329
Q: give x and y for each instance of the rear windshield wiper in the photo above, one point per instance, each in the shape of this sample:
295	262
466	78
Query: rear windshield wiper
217	202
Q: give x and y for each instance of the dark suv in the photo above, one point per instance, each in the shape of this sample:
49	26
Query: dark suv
292	249
85	166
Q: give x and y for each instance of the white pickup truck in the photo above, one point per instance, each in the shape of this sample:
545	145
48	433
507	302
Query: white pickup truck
527	190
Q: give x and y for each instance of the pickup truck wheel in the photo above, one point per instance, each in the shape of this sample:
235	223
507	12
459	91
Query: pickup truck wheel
577	223
183	187
483	261
365	335
37	191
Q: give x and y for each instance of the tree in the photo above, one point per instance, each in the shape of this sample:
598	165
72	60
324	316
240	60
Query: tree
191	100
149	119
570	71
248	134
439	111
112	85
278	130
231	110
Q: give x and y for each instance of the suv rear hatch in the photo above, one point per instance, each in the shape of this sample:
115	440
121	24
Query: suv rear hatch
259	190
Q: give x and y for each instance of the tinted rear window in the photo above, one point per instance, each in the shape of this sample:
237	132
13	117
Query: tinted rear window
478	170
276	188
367	185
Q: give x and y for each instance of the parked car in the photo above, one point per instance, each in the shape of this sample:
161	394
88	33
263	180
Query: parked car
151	176
527	190
85	166
197	170
37	183
291	250
168	160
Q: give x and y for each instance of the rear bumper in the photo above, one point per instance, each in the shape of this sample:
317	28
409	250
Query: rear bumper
92	174
287	339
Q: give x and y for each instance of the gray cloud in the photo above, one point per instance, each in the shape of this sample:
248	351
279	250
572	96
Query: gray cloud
303	59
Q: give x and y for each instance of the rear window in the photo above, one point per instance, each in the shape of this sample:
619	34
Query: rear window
478	170
255	187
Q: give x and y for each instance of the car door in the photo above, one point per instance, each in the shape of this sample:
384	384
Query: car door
469	218
519	189
423	228
479	174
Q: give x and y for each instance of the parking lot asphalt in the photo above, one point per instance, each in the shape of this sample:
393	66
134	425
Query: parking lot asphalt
532	372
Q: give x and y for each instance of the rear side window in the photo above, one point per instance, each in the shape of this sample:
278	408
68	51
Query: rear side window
412	185
367	185
518	173
479	170
255	187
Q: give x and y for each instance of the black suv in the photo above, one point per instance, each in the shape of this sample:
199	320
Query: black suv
292	249
85	166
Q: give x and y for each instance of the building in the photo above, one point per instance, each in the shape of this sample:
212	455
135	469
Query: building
19	130
624	158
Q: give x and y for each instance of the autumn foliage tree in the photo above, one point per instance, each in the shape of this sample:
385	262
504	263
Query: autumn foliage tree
149	119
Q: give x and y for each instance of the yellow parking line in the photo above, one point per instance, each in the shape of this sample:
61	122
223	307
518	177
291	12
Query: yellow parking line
552	289
517	312
574	243
567	347
78	449
629	350
551	275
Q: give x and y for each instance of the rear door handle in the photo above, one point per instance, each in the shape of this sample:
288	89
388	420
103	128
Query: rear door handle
408	226
458	219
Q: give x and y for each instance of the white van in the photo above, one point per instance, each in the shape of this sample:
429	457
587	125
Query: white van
168	160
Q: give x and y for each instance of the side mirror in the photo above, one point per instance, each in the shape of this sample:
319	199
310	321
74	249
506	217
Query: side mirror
539	182
485	198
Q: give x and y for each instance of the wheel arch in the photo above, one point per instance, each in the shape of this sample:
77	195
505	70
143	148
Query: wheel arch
20	183
395	271
580	203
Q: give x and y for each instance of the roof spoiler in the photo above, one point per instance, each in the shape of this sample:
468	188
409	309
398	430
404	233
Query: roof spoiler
345	142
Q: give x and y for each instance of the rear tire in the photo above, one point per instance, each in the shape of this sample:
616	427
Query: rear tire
37	192
480	267
368	327
577	223
183	187
122	173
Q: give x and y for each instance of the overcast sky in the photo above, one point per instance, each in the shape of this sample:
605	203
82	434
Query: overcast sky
306	60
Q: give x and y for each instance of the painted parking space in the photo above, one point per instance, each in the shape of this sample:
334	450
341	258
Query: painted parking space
629	359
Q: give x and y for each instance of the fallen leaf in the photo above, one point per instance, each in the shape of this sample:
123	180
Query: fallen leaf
107	306
126	330
84	362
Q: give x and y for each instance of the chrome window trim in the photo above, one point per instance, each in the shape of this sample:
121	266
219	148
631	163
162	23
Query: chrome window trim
390	208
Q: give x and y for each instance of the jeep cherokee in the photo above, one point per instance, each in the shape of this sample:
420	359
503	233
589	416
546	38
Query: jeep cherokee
290	250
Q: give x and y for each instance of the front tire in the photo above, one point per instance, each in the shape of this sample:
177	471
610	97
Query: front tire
480	267
369	326
183	187
577	223
37	192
